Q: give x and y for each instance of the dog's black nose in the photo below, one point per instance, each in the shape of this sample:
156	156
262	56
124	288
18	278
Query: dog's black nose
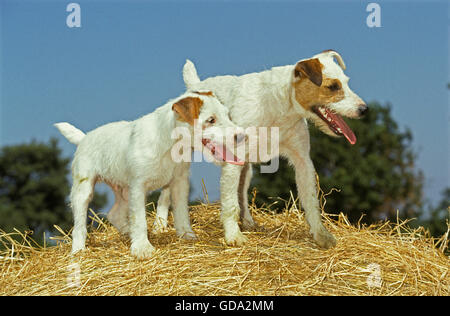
238	138
363	109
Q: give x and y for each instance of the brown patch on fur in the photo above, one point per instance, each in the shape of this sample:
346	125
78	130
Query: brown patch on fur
188	109
309	94
208	93
311	69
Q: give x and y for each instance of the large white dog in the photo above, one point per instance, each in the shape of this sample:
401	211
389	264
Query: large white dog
138	156
314	89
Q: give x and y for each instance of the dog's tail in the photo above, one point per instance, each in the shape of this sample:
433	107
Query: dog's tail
190	75
73	134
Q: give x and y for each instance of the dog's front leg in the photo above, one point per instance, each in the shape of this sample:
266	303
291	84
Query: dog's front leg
297	149
306	186
229	185
179	191
140	246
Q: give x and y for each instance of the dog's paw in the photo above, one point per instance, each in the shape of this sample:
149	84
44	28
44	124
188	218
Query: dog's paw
160	226
142	249
324	238
236	239
250	225
188	235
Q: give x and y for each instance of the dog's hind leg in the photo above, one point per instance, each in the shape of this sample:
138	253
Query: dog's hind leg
118	215
244	182
162	212
80	196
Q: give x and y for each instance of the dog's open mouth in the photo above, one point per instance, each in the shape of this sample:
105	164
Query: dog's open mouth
335	123
221	153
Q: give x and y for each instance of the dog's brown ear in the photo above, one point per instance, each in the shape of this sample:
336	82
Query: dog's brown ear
188	109
310	68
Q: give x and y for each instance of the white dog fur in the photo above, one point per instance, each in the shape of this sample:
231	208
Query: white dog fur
285	97
134	158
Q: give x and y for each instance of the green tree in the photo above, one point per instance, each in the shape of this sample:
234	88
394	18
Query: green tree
34	189
438	216
376	176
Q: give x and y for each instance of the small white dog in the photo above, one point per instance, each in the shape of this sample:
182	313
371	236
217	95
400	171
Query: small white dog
314	89
136	157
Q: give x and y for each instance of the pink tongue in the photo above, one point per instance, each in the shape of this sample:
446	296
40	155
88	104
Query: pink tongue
227	156
346	131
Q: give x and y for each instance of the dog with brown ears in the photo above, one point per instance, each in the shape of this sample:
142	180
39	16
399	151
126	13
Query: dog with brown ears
314	89
136	157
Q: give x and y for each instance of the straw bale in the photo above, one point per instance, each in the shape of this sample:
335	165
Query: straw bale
280	258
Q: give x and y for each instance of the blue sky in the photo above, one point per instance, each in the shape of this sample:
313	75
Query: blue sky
126	60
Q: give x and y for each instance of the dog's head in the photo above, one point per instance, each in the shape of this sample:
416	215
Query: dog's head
322	94
209	122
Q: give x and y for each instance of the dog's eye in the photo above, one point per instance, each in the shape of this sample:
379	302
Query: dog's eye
334	86
211	120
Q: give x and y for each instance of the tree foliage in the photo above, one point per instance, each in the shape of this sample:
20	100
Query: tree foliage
438	216
375	177
34	188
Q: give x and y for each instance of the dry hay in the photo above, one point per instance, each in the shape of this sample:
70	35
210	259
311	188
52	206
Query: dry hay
279	259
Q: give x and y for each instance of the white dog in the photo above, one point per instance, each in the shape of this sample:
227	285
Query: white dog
314	89
135	157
